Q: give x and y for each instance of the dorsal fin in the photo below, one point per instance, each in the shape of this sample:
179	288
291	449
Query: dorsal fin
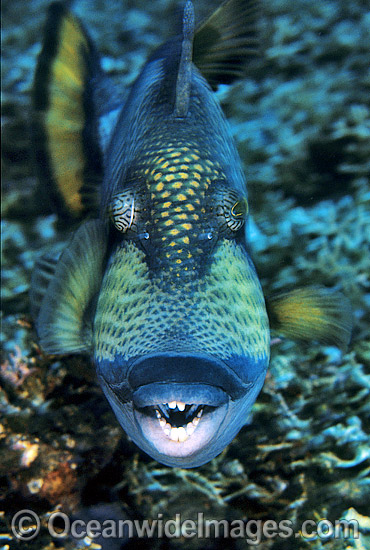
226	41
65	131
183	83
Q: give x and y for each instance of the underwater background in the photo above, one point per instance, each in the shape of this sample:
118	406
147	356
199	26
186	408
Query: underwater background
301	121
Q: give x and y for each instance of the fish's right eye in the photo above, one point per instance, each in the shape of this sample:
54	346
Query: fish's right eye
123	211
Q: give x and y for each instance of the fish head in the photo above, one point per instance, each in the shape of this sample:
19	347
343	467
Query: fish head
181	336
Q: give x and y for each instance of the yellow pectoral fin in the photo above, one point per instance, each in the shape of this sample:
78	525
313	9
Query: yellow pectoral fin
64	323
312	313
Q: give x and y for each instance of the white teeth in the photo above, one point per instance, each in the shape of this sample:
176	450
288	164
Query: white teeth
183	432
173	404
190	428
178	434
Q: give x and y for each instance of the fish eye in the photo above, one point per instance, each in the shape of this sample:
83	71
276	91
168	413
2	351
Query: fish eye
231	211
123	211
239	210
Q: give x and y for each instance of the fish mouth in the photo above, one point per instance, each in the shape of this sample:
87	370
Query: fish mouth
178	420
181	401
179	427
177	407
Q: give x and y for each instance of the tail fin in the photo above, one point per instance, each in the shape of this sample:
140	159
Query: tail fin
227	40
183	83
66	140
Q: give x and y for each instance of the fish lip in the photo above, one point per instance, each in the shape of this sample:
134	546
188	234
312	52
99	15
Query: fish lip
186	368
154	394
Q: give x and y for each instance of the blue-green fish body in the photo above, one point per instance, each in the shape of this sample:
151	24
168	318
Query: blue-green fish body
158	287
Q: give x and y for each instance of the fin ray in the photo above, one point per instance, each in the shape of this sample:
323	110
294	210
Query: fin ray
312	313
230	34
43	273
183	84
65	137
63	325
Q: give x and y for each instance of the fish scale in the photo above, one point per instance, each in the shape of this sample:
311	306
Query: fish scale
178	178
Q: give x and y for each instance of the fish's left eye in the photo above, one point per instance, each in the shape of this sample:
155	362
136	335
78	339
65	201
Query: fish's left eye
231	211
124	210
